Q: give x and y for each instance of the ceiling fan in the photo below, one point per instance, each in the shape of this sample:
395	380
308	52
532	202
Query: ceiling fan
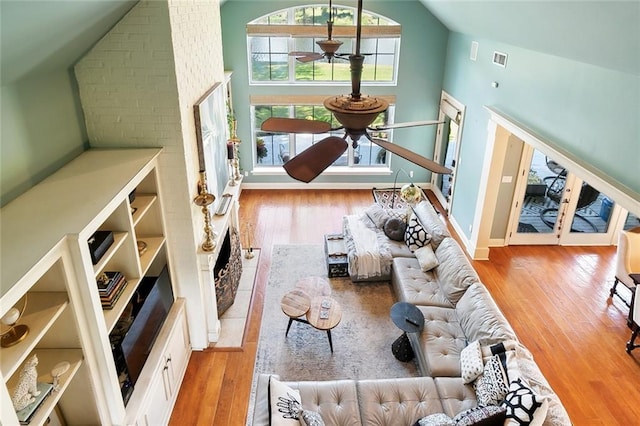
356	113
329	46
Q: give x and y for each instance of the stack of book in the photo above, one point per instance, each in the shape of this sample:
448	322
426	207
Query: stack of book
110	286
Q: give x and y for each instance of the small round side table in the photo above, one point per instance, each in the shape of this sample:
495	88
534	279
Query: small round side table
408	318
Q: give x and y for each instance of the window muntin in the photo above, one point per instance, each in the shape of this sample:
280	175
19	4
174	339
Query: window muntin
272	37
276	148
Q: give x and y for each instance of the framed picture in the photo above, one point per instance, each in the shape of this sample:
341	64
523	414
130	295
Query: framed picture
212	134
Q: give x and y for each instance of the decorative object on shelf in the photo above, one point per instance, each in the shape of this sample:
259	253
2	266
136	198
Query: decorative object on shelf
110	287
16	332
248	253
235	161
142	247
224	204
204	199
99	243
27	388
58	370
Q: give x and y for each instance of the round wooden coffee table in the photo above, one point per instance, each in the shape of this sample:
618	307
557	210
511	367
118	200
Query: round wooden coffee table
311	298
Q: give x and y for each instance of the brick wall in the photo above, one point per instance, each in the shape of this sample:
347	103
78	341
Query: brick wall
137	88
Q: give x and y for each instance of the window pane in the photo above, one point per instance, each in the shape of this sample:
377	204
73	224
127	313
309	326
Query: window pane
387	45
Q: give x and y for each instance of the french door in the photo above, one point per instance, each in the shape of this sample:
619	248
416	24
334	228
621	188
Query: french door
553	206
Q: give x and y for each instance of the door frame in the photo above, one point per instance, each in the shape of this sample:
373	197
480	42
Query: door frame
453	110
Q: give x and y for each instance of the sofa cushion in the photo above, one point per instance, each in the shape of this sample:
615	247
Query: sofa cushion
455	396
523	406
492	386
455	273
480	317
430	220
471	362
284	404
397	401
426	258
335	400
377	214
441	341
415	234
412	285
482	416
399	249
438	419
394	229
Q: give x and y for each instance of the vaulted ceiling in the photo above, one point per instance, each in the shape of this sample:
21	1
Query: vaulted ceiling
42	35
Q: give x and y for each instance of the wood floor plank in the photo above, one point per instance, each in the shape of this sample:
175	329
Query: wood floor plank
556	299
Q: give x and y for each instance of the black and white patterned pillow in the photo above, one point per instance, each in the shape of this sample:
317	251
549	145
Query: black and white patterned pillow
310	418
415	236
492	386
490	415
523	406
471	364
437	419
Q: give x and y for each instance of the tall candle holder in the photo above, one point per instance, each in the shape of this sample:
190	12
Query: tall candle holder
204	199
235	161
248	254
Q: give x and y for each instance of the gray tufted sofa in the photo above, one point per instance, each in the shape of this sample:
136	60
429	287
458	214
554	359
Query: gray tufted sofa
458	310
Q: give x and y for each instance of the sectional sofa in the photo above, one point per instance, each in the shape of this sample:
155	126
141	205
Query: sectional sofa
467	353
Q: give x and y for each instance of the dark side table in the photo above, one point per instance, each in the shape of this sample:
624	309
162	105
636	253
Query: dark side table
408	318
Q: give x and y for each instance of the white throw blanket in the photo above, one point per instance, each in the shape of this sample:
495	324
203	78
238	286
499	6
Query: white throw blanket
366	247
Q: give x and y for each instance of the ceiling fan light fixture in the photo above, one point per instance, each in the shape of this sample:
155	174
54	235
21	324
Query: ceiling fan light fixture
329	46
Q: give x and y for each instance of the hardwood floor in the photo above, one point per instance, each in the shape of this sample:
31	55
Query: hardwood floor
556	299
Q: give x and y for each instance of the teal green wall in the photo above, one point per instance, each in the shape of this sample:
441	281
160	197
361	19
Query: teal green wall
422	55
592	112
42	129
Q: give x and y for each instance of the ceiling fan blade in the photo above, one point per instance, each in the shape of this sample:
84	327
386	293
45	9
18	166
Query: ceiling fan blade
310	58
307	165
301	53
406	124
294	125
412	156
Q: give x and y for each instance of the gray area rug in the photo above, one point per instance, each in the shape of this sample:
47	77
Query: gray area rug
361	342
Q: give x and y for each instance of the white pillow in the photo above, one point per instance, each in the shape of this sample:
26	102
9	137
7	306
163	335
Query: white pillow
426	257
471	363
284	404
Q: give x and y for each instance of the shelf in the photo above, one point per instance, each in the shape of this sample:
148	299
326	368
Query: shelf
154	244
118	240
47	358
111	316
142	203
42	311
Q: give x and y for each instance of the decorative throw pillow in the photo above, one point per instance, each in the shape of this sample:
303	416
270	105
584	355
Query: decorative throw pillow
471	363
377	214
492	415
284	404
523	406
415	235
310	418
492	386
438	419
426	258
394	228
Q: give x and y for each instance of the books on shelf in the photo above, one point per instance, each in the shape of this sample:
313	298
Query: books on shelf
25	415
110	286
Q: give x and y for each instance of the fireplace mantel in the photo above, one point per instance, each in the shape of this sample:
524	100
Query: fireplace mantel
207	260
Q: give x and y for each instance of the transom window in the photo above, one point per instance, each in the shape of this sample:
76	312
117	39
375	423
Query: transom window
271	38
272	150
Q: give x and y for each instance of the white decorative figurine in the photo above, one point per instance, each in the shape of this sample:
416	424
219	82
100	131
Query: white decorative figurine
27	387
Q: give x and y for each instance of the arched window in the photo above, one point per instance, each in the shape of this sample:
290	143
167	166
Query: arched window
273	37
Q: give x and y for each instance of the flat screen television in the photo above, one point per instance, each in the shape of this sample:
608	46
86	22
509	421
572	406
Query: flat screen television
135	333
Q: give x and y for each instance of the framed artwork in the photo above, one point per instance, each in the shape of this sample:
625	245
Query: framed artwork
211	135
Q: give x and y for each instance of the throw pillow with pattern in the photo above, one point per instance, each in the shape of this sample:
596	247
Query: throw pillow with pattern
492	415
437	419
310	418
523	406
284	404
492	386
471	363
415	235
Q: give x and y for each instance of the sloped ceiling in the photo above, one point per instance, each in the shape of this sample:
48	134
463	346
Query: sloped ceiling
38	36
53	34
602	33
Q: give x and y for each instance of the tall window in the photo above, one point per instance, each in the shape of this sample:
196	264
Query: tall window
273	150
297	29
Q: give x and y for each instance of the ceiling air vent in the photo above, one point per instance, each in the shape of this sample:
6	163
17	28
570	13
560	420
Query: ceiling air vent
500	59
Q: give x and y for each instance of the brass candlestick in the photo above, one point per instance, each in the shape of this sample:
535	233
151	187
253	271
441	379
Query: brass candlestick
248	254
235	162
204	199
